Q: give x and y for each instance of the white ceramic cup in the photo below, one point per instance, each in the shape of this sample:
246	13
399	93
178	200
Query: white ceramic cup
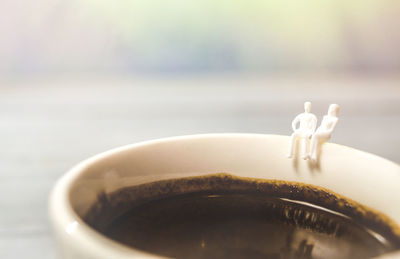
362	177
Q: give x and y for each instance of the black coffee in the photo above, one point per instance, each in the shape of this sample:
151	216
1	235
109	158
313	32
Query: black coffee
221	216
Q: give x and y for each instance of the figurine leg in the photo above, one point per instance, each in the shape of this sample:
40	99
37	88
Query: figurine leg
292	145
314	147
304	147
319	139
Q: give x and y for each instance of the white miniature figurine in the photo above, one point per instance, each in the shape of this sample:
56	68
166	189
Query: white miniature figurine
324	131
308	123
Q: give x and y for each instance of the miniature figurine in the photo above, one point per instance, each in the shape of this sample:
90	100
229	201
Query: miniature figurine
307	124
324	131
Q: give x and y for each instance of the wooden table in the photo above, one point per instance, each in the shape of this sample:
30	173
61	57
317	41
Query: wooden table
48	125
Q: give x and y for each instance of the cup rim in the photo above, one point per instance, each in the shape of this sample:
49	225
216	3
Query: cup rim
65	219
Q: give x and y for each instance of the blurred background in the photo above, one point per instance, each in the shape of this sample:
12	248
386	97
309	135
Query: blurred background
79	77
53	37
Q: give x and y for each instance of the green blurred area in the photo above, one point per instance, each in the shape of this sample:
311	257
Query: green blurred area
180	37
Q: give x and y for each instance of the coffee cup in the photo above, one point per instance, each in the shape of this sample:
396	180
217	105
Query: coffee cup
359	176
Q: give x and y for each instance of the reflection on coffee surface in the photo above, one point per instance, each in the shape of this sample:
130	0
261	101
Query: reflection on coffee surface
221	216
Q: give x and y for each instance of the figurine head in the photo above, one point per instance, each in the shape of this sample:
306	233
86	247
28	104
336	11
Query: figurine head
333	110
307	107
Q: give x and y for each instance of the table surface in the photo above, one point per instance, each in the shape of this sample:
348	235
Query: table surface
48	125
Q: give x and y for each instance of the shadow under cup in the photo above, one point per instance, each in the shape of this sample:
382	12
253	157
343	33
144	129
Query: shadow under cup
227	196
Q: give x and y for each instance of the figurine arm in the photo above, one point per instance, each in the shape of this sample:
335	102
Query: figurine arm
294	123
331	127
334	124
314	123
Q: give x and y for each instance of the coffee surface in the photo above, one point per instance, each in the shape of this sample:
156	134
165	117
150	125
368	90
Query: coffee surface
243	223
